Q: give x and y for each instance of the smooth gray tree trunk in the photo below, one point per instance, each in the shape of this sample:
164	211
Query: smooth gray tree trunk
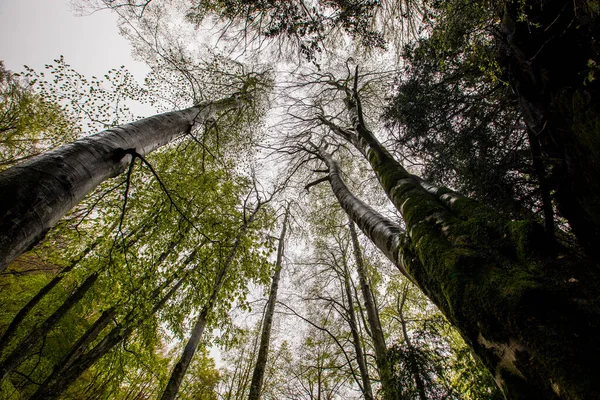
379	344
263	350
356	341
34	195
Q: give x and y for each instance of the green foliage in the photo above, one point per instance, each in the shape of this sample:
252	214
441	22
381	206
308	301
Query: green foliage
201	380
174	217
433	349
93	103
305	27
30	122
453	115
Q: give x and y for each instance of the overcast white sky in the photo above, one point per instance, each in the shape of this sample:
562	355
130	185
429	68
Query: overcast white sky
35	32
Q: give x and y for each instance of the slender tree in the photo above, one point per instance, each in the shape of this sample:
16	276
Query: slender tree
258	374
22	349
77	360
357	342
412	358
182	365
376	330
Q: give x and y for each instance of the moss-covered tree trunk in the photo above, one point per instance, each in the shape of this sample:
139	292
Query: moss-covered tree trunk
550	53
527	308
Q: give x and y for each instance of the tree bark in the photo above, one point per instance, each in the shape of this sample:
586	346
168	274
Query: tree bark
526	306
265	337
356	340
32	338
385	234
381	357
182	365
34	195
77	362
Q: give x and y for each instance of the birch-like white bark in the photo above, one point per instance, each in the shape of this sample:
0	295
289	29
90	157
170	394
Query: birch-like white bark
34	195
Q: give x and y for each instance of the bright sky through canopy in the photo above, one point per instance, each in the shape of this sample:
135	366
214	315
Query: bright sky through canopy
35	32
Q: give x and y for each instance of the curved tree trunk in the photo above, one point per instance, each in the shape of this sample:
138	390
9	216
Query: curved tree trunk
34	195
265	337
525	305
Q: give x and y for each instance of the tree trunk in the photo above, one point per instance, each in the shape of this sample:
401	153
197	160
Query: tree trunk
87	338
190	349
412	361
525	305
381	357
384	233
353	322
34	195
77	362
10	332
265	337
188	352
32	338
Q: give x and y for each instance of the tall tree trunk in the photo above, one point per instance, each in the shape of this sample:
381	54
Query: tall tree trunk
190	349
381	358
356	340
77	362
412	361
560	101
265	337
34	195
525	305
10	332
20	352
182	365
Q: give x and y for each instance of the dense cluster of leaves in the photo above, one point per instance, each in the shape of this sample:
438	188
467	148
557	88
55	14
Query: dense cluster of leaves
460	124
307	26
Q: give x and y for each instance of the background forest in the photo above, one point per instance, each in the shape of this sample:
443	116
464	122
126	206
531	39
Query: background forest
337	199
